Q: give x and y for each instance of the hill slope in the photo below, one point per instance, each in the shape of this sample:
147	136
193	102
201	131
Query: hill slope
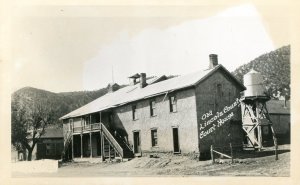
275	68
63	103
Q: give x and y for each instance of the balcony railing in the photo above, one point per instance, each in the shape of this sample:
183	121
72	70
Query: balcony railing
90	127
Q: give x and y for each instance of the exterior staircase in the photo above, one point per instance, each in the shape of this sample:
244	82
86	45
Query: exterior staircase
114	146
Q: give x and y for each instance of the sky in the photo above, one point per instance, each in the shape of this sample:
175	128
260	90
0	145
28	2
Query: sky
74	48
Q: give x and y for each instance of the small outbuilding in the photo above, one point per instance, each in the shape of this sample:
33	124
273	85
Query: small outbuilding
50	145
279	111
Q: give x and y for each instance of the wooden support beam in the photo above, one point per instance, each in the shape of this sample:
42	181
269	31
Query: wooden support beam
275	143
109	151
91	147
259	131
72	147
100	142
81	151
212	154
102	147
231	152
222	154
250	137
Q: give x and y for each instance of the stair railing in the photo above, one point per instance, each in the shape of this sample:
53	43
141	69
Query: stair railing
112	140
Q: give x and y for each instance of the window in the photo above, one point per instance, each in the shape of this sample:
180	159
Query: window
152	108
87	120
154	137
219	90
173	104
134	112
70	124
50	148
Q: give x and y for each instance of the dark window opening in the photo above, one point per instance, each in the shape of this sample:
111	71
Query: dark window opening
70	124
134	112
219	90
152	108
154	137
173	104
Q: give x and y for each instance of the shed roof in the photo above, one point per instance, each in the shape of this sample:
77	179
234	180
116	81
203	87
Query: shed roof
277	107
53	133
134	93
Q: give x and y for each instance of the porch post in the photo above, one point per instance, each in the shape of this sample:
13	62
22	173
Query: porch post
100	117
81	145
102	146
72	147
109	151
90	121
91	147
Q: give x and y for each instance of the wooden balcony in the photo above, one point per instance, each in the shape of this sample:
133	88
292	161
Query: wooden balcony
87	128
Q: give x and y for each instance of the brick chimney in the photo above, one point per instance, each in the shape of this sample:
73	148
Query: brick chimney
213	61
143	80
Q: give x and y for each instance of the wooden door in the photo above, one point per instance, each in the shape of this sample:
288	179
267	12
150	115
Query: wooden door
176	140
136	142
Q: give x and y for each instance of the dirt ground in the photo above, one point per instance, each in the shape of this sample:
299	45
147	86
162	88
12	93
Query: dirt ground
246	163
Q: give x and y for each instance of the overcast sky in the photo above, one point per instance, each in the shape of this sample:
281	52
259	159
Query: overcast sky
72	48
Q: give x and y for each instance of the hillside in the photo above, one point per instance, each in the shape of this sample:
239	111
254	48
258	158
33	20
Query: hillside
275	68
63	103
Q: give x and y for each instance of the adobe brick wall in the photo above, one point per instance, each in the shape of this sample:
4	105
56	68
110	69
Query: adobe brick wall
185	119
208	99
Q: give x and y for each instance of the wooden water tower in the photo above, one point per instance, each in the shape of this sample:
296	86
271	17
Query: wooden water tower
255	116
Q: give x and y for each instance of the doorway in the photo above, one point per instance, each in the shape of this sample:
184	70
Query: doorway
136	142
175	140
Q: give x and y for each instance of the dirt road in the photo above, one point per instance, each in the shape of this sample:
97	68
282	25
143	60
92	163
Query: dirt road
245	164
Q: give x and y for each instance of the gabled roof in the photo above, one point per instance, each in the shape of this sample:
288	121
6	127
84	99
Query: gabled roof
134	93
277	107
53	133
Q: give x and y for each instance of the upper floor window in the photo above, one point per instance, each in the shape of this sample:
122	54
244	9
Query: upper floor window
154	137
219	90
87	120
152	108
134	117
70	124
173	103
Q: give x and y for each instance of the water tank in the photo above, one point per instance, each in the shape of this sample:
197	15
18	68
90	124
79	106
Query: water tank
253	82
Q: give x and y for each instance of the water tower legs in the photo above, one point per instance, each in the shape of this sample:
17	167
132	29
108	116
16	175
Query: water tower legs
257	123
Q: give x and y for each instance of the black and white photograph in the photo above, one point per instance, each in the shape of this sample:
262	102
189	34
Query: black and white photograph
147	89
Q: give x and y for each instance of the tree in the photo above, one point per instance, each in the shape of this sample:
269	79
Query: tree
29	118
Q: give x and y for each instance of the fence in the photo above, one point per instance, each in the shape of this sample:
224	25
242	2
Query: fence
214	150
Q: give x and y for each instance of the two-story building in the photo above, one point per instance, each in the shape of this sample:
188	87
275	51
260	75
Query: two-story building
179	115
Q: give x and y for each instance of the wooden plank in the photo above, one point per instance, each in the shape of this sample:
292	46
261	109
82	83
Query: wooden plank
91	147
275	142
81	152
72	147
259	131
102	146
251	138
212	154
231	152
222	154
109	152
